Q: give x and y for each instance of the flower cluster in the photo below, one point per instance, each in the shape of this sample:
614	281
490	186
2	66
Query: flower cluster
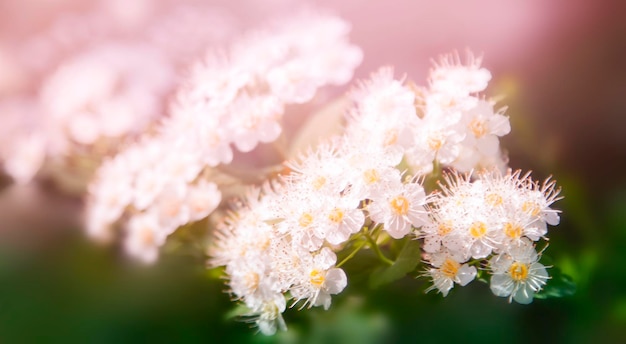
281	241
236	97
167	148
458	127
94	78
497	216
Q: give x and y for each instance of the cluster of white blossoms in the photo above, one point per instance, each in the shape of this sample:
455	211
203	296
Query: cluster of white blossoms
458	127
96	77
494	216
234	97
94	99
282	239
124	95
110	93
280	242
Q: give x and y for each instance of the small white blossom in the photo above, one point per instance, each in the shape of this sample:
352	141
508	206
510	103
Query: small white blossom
517	274
319	279
448	269
399	208
452	76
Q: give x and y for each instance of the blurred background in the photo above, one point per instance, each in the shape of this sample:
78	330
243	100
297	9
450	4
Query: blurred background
559	66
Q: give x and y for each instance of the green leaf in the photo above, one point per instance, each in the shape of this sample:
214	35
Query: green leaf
237	311
406	262
559	285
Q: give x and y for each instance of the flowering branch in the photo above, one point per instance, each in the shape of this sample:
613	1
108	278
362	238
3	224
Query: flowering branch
413	170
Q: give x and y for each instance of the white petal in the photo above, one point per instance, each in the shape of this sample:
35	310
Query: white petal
480	250
323	299
524	295
443	284
325	259
336	281
432	243
501	285
552	218
465	275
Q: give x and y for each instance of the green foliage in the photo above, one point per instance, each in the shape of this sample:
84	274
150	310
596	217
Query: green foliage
407	261
559	285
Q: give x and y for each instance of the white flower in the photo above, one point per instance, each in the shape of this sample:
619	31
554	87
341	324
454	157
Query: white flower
384	116
319	279
453	77
304	220
448	270
435	231
489	214
256	120
144	238
476	238
322	171
435	139
202	199
342	220
517	274
268	314
399	208
112	90
482	127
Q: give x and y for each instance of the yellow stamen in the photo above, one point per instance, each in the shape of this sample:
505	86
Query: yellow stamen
444	228
434	142
531	208
391	137
319	182
494	199
305	220
478	229
513	231
317	278
336	215
477	127
519	271
371	176
450	268
400	205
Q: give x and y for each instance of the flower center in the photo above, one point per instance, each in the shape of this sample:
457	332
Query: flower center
444	229
494	199
531	208
435	142
336	215
400	205
477	127
319	182
519	271
512	231
450	268
391	137
317	278
371	176
478	229
305	220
